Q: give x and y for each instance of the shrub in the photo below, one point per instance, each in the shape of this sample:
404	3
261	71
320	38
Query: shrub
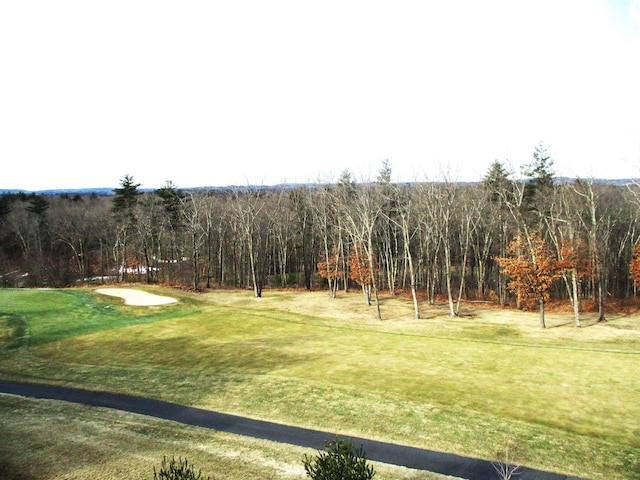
339	461
180	470
508	460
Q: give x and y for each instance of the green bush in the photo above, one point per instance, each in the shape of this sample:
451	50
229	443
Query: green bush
339	461
180	470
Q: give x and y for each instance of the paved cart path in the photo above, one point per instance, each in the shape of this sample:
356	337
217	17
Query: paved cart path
417	458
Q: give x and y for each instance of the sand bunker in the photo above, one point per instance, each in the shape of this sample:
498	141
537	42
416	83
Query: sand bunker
136	297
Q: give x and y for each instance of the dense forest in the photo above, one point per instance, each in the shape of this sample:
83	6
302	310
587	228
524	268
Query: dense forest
505	240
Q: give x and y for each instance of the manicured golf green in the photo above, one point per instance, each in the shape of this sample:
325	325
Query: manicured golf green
468	385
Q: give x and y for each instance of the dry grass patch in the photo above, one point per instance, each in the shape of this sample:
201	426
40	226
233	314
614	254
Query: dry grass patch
104	444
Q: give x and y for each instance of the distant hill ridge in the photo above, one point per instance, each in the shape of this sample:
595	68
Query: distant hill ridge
110	191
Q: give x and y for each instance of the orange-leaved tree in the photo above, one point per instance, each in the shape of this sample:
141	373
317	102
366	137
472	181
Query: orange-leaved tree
532	269
634	267
361	270
329	268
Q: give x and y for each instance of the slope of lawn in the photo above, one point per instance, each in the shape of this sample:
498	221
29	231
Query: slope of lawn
97	443
468	385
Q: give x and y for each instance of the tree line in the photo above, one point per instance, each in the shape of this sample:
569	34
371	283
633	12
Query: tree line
506	239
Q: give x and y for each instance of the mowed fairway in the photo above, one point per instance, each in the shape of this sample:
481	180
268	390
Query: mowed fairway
569	397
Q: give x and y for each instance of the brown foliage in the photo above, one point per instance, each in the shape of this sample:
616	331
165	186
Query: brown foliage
329	268
359	269
634	267
532	269
574	255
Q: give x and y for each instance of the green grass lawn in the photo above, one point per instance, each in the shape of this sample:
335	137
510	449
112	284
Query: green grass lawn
468	385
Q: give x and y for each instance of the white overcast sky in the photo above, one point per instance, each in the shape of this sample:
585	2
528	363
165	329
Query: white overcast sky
262	92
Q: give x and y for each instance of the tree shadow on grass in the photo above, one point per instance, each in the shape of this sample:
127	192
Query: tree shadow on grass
560	325
9	471
19	332
584	323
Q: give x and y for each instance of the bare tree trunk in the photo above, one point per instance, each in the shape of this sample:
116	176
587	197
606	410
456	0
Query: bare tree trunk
361	216
592	229
366	291
194	257
373	279
462	277
443	200
576	302
257	288
468	230
409	261
447	273
601	317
